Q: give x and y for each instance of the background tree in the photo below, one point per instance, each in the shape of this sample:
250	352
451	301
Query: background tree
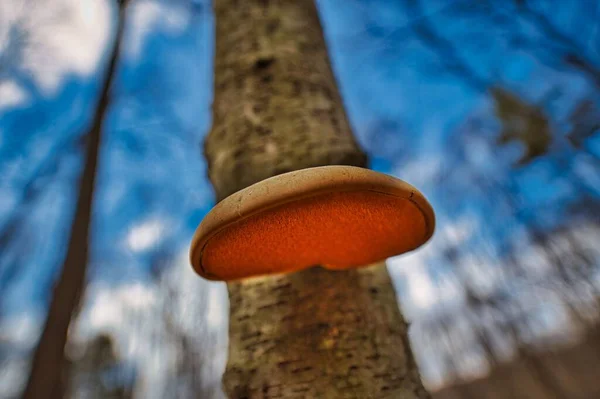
47	377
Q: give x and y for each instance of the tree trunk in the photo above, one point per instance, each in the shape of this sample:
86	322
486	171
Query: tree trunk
46	379
315	333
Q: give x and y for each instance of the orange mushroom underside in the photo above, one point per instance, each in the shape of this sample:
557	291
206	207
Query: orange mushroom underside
337	230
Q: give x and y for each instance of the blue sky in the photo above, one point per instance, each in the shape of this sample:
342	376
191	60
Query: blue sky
418	118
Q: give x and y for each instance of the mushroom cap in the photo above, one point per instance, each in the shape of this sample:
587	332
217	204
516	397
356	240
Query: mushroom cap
338	217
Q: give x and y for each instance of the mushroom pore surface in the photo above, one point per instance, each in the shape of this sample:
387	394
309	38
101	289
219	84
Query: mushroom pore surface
337	230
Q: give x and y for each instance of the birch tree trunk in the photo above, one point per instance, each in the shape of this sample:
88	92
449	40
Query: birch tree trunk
314	333
47	378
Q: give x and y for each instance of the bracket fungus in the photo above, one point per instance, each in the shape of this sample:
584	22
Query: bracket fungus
338	217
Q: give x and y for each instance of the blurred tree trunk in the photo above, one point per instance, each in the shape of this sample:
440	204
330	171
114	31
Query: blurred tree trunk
315	333
48	375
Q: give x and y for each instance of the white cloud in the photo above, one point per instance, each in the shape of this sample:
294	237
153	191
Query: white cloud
421	289
144	17
11	94
423	294
460	230
145	235
54	39
419	172
217	312
21	330
12	377
418	293
109	305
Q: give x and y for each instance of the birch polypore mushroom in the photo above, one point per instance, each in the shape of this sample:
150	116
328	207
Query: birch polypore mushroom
338	217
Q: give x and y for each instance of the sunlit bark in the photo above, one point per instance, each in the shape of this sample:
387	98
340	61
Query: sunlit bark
314	333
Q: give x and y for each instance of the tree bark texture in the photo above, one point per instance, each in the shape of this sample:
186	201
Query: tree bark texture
315	333
48	370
